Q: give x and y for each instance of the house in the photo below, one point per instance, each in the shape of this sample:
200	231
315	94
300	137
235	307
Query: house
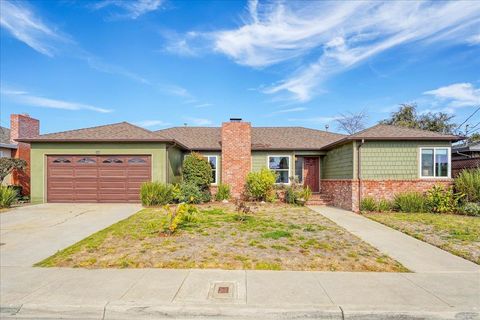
21	126
108	163
465	156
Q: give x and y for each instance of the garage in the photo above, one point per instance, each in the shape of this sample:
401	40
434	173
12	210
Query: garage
96	178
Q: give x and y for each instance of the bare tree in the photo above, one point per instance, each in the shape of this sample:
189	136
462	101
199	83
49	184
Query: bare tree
352	122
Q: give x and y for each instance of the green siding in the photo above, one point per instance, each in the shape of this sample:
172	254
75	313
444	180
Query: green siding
174	165
259	159
338	163
40	150
395	160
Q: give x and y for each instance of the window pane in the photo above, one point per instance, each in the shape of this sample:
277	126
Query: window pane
299	169
282	176
441	162
214	176
427	162
213	162
278	163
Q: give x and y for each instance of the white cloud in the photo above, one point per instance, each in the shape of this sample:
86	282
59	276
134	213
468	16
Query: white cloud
152	123
200	121
319	120
474	39
130	9
203	105
456	95
175	90
21	22
37	101
290	110
340	34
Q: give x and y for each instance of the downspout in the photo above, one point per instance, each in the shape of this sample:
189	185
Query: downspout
359	173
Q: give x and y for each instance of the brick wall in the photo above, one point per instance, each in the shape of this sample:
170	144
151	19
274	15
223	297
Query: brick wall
236	155
22	126
344	193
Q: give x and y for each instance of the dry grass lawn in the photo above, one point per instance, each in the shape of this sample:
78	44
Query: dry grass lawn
457	234
274	237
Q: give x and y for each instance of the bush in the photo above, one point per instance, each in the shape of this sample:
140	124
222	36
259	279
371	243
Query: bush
470	209
223	192
191	193
384	205
441	200
297	194
180	215
368	204
197	171
260	185
468	183
409	202
7	196
157	194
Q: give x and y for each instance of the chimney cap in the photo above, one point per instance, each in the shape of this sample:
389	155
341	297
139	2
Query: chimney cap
235	119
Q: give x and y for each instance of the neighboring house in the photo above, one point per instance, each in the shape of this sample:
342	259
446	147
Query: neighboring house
21	126
465	157
109	163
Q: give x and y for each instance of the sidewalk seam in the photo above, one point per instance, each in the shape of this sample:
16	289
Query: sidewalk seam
424	289
133	284
181	285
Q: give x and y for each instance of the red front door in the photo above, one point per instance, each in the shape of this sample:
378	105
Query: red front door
311	173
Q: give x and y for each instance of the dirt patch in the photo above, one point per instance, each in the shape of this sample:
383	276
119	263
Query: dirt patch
274	237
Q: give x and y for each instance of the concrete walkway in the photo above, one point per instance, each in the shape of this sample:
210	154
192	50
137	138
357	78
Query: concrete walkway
159	293
414	254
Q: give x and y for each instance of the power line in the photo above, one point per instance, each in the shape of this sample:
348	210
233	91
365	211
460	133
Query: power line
471	128
468	118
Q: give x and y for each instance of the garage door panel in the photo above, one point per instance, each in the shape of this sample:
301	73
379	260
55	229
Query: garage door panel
92	178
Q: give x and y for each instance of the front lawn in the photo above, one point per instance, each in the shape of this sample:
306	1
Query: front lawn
274	237
457	234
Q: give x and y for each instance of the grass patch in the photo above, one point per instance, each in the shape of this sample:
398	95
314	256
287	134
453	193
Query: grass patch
277	234
457	234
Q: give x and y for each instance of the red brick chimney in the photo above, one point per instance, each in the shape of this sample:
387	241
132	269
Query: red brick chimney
22	126
236	154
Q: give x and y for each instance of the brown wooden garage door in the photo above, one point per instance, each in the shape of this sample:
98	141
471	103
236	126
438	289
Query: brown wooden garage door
91	178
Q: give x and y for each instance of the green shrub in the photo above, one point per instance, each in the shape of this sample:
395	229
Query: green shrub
409	202
368	204
180	215
197	171
191	193
470	209
7	196
441	200
223	192
157	194
297	194
260	185
384	205
468	183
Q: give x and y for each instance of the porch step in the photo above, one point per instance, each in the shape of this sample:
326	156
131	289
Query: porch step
319	199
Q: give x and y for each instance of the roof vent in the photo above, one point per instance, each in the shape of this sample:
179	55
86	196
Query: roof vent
235	119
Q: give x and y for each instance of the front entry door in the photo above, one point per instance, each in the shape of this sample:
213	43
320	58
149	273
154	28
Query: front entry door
311	173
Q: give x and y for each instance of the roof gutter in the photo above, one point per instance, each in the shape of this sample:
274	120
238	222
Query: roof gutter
8	145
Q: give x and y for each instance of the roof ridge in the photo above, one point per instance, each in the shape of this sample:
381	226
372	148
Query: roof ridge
94	127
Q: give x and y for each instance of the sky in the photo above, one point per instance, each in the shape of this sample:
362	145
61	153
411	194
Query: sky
161	63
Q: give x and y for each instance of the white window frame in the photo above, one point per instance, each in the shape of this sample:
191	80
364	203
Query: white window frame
449	153
289	165
208	156
1	154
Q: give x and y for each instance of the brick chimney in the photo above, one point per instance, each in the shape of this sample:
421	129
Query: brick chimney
236	154
22	126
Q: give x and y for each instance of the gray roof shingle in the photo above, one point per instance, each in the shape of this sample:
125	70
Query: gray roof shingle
5	135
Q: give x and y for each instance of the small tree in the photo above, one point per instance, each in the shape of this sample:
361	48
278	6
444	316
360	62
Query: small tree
197	171
7	165
352	122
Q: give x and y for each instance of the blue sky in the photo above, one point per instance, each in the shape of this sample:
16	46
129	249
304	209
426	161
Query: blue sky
160	63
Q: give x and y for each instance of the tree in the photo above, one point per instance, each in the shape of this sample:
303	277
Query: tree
352	122
407	116
474	137
7	165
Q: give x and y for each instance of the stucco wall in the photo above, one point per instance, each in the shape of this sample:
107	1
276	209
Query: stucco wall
338	163
39	151
393	160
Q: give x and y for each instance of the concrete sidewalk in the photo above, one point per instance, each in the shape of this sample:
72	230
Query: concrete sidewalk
416	255
53	293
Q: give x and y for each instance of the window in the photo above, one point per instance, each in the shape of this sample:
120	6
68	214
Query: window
61	160
213	163
112	160
1	154
435	162
281	166
299	169
136	160
86	160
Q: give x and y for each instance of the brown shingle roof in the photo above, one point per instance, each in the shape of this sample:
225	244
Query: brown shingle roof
5	135
390	132
116	132
263	138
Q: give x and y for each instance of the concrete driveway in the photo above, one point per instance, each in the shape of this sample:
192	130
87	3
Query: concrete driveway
32	233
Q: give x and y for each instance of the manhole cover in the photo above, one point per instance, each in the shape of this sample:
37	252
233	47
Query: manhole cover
222	290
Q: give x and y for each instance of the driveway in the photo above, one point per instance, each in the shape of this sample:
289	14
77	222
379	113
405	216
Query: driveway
32	233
